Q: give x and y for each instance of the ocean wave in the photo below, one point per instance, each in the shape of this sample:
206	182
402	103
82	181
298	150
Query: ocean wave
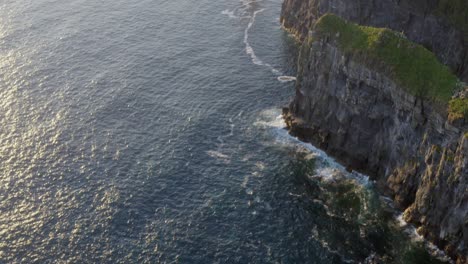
327	167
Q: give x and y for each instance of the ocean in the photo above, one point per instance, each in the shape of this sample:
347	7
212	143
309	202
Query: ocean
150	131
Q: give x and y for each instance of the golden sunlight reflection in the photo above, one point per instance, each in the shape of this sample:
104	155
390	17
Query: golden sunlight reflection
37	153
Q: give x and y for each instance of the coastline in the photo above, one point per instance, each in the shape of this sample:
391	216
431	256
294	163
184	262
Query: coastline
353	106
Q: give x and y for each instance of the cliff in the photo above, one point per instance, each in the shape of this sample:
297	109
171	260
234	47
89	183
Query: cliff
439	25
383	105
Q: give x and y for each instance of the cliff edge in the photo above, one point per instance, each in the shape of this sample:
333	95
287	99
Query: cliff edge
439	25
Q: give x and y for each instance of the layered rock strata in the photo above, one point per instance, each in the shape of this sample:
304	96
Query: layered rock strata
354	107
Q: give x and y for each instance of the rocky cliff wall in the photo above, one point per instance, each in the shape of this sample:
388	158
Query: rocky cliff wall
428	22
352	107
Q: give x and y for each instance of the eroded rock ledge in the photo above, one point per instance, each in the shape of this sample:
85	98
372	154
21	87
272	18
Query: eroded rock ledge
353	105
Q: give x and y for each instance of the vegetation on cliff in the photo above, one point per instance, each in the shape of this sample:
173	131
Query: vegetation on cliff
458	109
411	65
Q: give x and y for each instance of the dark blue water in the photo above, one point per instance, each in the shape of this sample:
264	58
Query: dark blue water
148	132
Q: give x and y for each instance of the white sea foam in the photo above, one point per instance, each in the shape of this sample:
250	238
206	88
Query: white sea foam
245	11
245	181
315	234
327	167
229	13
284	78
250	51
218	155
248	3
260	165
248	48
411	231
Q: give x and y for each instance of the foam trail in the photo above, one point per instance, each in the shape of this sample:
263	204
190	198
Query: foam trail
248	48
247	3
243	12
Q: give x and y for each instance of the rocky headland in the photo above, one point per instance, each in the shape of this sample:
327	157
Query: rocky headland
380	87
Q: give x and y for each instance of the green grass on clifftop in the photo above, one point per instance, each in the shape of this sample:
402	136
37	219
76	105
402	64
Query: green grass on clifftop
409	64
458	108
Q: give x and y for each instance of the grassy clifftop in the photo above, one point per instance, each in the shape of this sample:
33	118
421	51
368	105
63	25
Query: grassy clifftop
411	65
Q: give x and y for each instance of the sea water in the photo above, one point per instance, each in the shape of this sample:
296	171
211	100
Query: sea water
149	131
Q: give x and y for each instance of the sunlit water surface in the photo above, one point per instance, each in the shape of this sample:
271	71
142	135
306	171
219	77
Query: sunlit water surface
148	131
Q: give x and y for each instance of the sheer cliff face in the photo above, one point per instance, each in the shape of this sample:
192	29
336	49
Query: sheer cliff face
354	109
367	121
351	104
419	20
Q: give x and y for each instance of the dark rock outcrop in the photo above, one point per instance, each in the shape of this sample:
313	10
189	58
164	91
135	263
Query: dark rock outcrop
421	21
364	118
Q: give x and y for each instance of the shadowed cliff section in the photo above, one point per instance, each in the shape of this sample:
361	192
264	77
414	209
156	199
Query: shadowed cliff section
438	25
385	105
